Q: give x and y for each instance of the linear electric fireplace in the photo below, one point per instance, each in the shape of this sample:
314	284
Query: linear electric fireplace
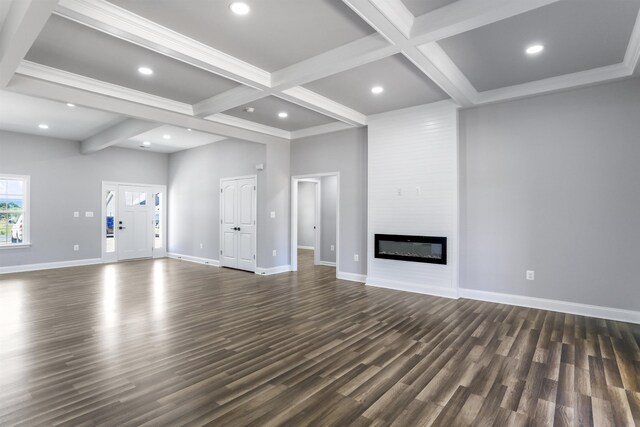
427	249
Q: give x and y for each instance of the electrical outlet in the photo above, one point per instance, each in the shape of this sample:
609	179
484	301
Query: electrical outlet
356	258
273	214
76	248
201	245
76	214
274	253
531	275
333	248
399	191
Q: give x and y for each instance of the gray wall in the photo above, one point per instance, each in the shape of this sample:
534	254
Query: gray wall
194	187
306	214
328	220
63	181
344	152
552	184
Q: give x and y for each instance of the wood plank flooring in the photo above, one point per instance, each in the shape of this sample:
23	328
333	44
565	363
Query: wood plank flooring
166	342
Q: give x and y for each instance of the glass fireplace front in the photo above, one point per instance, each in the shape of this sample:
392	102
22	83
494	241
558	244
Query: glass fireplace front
427	249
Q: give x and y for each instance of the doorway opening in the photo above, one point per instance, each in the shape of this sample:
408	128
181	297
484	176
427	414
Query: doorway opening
315	230
133	224
238	212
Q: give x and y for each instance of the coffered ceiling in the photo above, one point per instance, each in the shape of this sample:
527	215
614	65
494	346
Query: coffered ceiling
317	59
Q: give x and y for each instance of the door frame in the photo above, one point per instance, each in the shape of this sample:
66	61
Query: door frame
164	225
317	217
294	216
255	215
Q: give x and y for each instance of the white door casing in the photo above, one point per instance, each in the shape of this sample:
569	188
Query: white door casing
238	200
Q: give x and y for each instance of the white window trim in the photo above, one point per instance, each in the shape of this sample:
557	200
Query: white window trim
26	233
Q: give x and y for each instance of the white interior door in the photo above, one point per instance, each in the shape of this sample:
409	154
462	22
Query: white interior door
238	223
135	226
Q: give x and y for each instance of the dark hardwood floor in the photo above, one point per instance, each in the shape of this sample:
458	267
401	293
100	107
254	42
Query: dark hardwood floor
174	343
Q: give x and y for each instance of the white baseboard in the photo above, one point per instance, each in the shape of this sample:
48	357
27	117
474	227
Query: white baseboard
198	260
273	270
412	287
352	277
49	265
553	305
311	248
327	263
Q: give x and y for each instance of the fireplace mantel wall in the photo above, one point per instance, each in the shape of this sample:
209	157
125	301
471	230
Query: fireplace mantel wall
413	189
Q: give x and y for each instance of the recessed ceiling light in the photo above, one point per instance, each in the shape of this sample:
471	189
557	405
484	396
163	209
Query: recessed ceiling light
283	115
70	105
189	129
145	70
43	126
377	90
166	136
239	8
533	49
250	109
146	143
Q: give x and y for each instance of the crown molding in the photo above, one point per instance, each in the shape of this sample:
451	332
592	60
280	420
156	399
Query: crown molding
553	84
113	20
66	78
316	102
247	124
632	55
320	130
397	13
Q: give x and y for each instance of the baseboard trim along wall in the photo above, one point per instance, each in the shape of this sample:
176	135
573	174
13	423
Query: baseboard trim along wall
327	263
412	287
49	265
352	277
273	270
311	248
554	305
198	260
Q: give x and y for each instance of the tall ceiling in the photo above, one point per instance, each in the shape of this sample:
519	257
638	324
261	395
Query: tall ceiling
224	75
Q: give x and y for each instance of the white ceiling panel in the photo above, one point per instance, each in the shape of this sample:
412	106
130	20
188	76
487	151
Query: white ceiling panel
420	7
78	49
179	139
404	86
274	35
577	35
22	113
267	109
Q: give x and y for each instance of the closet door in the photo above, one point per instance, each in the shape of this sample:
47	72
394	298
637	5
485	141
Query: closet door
238	200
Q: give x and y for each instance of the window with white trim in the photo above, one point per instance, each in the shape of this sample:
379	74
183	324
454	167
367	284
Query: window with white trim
14	210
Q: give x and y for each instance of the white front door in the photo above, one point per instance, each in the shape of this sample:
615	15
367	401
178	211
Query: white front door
135	224
238	223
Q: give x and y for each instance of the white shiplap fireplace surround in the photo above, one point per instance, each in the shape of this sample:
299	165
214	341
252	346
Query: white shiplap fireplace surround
413	190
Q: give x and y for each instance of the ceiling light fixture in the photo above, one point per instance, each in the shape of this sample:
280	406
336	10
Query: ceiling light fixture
376	90
43	126
533	49
283	115
166	136
145	71
239	8
189	129
146	143
70	105
249	109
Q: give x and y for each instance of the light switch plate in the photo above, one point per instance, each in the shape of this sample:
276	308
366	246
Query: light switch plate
88	214
273	214
531	275
76	214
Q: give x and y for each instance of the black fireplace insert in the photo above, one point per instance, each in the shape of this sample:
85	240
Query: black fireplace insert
427	249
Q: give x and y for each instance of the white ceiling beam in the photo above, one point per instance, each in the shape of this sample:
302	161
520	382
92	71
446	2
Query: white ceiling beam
632	55
316	102
360	52
116	134
121	23
232	98
466	15
554	84
248	124
320	130
49	90
23	23
398	14
433	62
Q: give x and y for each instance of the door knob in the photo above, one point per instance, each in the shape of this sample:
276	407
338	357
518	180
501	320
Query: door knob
121	228
238	228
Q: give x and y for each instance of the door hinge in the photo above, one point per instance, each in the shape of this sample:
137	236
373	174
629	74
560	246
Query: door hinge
221	190
254	188
220	251
254	257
